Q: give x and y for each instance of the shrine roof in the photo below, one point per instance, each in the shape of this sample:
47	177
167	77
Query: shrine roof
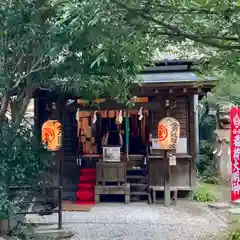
173	77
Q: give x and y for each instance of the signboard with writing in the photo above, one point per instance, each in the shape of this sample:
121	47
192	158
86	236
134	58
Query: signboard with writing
235	153
168	133
52	135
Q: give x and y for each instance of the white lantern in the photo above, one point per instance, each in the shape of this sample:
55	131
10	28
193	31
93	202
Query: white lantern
168	133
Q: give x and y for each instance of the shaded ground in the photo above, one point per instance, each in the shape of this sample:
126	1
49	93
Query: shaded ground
186	220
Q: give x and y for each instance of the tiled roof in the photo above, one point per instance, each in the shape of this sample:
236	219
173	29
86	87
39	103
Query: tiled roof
172	77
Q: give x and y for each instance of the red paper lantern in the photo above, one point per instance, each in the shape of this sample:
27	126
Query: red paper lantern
52	135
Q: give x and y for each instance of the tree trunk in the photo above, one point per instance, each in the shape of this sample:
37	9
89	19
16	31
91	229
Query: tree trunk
4	106
20	106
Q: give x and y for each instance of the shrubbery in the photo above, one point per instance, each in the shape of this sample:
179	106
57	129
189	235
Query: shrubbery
22	162
206	166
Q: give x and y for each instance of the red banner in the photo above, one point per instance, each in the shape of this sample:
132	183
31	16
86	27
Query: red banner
235	153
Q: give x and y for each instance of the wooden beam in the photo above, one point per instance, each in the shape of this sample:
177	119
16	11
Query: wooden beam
114	106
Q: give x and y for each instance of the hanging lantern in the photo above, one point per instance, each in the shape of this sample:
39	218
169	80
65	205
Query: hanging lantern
52	135
140	114
94	120
77	114
168	133
119	119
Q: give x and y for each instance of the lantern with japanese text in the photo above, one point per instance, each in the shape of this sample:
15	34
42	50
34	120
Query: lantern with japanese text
168	133
52	135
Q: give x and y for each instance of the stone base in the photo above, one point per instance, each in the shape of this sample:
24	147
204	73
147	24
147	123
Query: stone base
234	214
219	205
53	233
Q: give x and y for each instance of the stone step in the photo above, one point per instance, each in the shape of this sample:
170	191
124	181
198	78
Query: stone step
138	185
138	193
234	211
136	177
219	205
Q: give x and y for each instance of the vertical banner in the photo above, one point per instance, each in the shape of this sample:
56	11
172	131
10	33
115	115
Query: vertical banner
235	153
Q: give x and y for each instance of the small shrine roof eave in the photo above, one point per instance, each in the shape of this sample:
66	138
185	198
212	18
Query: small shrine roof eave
184	78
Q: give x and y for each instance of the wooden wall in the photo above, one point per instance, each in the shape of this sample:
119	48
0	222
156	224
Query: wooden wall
178	111
183	174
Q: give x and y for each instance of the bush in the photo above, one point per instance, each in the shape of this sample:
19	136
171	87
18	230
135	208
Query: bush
206	166
203	194
235	235
22	162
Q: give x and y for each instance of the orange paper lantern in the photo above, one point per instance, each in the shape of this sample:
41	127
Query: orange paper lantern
52	135
168	133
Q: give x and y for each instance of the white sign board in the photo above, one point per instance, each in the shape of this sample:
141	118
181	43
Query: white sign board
182	146
172	161
111	154
155	143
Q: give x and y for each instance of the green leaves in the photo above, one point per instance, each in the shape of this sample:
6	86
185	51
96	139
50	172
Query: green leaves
23	161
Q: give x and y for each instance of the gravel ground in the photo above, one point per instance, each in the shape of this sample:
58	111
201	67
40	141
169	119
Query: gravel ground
186	221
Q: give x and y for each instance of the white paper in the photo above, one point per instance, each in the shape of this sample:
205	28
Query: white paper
155	143
182	146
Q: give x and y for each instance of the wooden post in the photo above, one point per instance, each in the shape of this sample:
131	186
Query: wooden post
167	192
60	159
91	135
127	134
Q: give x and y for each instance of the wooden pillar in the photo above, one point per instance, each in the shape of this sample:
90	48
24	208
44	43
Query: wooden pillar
60	159
192	142
167	192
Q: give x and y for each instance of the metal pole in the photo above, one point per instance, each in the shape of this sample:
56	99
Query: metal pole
60	190
60	207
60	168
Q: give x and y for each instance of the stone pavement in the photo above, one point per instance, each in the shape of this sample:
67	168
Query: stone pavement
185	221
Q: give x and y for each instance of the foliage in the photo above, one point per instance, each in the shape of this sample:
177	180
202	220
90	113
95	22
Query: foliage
203	194
206	166
207	31
207	121
22	162
81	47
234	235
206	155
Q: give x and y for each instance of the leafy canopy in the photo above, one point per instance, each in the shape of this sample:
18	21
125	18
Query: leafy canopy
87	48
209	27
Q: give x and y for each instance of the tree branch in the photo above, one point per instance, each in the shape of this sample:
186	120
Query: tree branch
4	106
28	92
177	31
156	7
168	33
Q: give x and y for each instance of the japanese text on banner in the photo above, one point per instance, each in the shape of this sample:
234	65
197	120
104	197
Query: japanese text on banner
235	153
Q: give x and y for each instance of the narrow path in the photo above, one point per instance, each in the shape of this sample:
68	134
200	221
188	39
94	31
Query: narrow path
186	221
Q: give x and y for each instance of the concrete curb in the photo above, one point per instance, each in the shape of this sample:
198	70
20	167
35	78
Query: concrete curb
53	233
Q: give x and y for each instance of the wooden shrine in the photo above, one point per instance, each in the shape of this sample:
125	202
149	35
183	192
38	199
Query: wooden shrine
168	89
